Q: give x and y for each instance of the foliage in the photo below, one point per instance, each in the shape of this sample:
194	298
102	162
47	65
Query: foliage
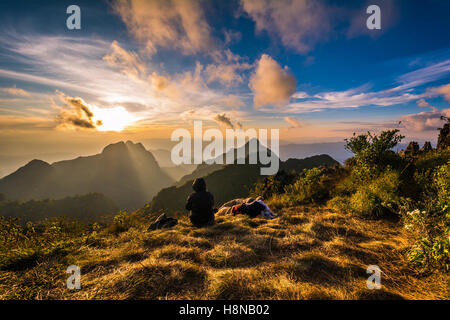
375	199
23	246
89	207
431	223
308	188
121	222
373	153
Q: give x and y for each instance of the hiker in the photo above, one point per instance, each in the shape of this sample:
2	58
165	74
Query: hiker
200	203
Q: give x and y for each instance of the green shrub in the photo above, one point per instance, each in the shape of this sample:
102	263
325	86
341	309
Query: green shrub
121	222
309	188
373	154
431	223
441	183
378	198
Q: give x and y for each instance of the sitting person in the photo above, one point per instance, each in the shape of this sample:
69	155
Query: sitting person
200	203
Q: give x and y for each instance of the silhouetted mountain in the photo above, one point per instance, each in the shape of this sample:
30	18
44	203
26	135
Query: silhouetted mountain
227	182
241	153
124	172
178	172
334	149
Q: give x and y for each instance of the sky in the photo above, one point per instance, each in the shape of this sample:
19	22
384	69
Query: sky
138	70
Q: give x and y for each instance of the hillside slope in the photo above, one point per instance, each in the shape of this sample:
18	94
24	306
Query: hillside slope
228	182
125	172
307	253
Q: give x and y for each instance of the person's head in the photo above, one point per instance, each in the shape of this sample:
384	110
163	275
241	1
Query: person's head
199	185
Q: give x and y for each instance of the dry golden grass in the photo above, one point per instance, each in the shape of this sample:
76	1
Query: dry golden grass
307	253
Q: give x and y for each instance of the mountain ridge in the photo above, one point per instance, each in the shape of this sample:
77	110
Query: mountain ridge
124	171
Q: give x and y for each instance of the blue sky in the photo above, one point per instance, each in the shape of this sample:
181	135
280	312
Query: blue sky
143	68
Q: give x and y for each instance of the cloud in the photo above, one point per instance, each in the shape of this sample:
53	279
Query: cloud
424	75
294	123
233	101
14	123
271	84
127	61
16	92
123	78
167	24
443	90
422	103
232	36
299	23
226	68
79	115
425	121
352	98
224	120
300	95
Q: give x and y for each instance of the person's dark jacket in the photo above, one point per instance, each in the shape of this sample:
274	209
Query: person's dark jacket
200	203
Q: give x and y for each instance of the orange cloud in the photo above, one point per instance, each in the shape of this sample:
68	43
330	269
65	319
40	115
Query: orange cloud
271	84
16	92
293	122
166	24
79	115
425	121
444	90
128	62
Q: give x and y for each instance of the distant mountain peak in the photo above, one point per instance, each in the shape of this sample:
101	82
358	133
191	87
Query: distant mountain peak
122	147
37	163
124	171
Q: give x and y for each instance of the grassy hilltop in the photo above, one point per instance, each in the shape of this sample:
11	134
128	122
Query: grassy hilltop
310	252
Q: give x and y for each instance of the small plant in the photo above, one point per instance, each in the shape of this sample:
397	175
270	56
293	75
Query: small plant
121	222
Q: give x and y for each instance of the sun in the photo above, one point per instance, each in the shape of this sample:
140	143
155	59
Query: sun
113	119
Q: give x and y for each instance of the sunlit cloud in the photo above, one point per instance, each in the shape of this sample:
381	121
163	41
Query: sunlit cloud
222	119
442	90
122	78
294	123
14	91
425	121
271	84
77	114
167	24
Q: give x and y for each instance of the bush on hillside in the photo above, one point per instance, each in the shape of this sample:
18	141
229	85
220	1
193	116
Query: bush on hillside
310	187
430	220
373	153
375	199
121	222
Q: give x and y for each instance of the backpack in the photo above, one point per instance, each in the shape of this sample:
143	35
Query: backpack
163	222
